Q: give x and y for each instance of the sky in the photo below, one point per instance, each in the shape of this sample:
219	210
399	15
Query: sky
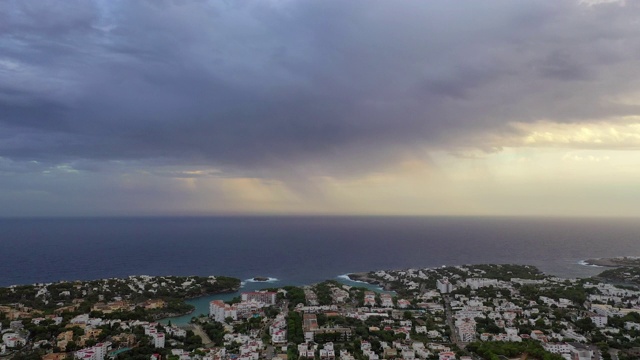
332	107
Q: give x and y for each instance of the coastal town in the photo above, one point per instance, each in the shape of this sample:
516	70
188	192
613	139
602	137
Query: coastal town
468	312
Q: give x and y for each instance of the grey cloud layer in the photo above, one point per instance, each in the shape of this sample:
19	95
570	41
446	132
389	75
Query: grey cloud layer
259	84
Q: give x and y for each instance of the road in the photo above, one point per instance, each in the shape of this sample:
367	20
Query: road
454	334
197	329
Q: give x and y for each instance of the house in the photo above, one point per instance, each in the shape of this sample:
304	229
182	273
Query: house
327	351
447	355
386	300
558	348
404	303
154	304
369	298
13	340
55	356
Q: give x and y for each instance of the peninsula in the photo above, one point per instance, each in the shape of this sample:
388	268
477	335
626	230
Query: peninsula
627	261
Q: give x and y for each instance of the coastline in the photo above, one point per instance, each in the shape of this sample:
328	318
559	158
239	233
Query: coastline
201	303
363	277
410	285
259	279
163	317
177	296
612	262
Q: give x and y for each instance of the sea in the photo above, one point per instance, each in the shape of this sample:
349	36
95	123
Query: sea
299	250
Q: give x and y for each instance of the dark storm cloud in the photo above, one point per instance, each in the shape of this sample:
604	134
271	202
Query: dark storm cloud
262	84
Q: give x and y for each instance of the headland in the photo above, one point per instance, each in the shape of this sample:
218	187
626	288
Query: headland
630	261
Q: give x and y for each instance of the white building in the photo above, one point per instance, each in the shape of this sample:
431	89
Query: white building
327	351
476	283
307	350
466	329
96	352
219	311
386	300
558	348
279	336
13	340
265	297
80	319
581	352
158	339
176	331
345	355
600	321
447	355
369	298
444	286
339	295
631	326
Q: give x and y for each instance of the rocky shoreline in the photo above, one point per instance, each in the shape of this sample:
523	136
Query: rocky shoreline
614	261
364	277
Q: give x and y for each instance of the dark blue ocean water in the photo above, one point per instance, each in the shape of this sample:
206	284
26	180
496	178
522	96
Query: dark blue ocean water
299	250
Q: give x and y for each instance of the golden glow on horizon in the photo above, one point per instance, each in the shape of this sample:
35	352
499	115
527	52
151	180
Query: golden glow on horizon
545	168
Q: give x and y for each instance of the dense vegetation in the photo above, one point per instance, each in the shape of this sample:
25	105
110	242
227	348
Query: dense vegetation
134	289
295	295
492	350
323	291
506	272
626	275
294	328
